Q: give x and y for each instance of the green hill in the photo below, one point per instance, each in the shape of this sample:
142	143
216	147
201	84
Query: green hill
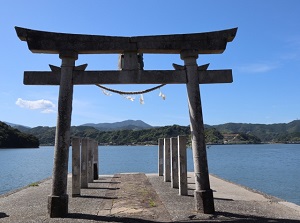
46	135
13	138
230	133
275	133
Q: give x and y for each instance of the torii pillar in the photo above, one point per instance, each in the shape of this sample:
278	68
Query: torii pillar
58	200
203	195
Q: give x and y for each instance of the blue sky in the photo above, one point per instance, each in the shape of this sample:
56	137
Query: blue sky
264	57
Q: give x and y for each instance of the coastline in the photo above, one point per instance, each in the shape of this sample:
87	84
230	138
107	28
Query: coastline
22	188
207	144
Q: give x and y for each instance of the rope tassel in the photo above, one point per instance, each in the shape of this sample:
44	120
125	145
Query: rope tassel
142	99
106	92
129	98
163	96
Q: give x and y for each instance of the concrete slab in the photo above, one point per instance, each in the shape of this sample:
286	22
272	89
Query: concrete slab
226	190
232	203
146	198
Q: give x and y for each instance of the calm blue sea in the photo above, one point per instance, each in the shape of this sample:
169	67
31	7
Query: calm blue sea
273	169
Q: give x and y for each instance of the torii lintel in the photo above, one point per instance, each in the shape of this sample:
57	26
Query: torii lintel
55	43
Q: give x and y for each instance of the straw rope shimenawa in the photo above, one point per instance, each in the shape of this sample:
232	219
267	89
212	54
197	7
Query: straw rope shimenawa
130	92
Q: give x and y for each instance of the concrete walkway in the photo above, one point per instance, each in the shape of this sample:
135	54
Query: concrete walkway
146	198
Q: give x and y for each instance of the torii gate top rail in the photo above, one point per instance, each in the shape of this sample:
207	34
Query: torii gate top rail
54	43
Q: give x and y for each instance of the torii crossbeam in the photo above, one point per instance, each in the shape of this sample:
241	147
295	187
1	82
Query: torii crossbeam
68	46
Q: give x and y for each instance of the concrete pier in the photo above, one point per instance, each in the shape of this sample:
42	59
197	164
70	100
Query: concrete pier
160	157
174	162
90	161
76	167
96	160
118	198
182	166
84	162
167	166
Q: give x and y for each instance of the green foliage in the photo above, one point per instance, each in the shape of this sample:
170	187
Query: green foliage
13	138
141	137
276	133
35	184
248	138
213	136
289	137
218	134
46	135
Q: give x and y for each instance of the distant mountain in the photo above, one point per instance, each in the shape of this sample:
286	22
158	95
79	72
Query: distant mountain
46	135
128	125
21	128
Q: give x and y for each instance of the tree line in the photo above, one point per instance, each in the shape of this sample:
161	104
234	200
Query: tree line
230	133
150	136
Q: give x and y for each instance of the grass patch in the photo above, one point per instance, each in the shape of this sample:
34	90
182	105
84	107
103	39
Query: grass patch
34	184
147	198
152	203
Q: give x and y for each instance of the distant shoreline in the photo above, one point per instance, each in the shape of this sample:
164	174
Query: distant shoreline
208	144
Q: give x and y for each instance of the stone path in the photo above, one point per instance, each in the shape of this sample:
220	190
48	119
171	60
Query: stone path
134	198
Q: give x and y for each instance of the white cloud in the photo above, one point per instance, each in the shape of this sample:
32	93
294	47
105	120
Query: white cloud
44	105
257	68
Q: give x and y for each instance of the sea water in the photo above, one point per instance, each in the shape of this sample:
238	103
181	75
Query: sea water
270	168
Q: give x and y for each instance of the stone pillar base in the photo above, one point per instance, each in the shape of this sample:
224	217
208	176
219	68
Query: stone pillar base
76	195
58	206
204	201
96	177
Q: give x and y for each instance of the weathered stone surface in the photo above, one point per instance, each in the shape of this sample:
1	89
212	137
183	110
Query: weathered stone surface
160	157
76	167
128	77
90	161
96	160
197	134
84	162
182	166
58	205
62	138
174	162
136	199
167	160
51	42
203	201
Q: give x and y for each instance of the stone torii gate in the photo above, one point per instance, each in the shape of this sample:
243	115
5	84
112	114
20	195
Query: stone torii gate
68	46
